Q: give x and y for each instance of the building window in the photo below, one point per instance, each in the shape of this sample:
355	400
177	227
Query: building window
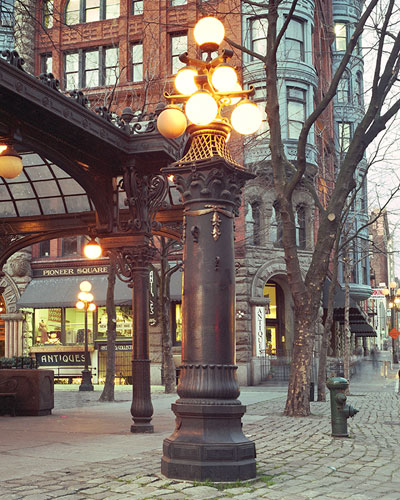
343	89
71	246
44	248
296	111
301	227
46	63
48	14
137	7
258	32
6	13
91	68
340	36
175	3
137	62
256	214
86	11
260	99
358	89
111	65
71	71
275	227
344	136
294	44
178	46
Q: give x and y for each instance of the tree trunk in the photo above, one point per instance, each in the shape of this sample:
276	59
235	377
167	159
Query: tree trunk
321	396
298	398
346	354
108	391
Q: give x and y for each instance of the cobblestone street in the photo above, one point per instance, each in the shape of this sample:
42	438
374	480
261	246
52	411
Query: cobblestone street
297	457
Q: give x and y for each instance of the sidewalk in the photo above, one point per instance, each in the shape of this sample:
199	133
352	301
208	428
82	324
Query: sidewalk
86	451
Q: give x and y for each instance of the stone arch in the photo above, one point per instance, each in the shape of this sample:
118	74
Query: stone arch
11	292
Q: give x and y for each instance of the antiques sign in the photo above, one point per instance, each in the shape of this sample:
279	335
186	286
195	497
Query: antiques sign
60	358
260	330
153	295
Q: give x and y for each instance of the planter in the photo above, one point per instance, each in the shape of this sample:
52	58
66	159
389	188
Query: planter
34	390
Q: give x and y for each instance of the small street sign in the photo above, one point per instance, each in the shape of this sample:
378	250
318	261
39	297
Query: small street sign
394	333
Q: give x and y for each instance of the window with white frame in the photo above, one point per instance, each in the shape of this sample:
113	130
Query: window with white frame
91	68
300	219
340	36
175	3
343	89
86	11
258	33
137	62
358	89
178	46
275	226
296	111
294	40
46	63
260	99
48	13
344	136
137	7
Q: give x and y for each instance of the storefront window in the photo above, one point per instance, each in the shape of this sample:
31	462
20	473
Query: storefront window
66	326
124	322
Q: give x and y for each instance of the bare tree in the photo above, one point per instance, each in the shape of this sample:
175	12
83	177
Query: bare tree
382	107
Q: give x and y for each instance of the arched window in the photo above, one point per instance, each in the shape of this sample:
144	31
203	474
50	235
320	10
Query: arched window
358	89
48	13
343	89
86	11
275	232
301	227
255	208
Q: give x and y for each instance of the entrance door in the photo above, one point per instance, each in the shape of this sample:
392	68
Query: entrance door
274	314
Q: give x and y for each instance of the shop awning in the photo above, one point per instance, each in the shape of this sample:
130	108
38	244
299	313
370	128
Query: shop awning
42	293
362	329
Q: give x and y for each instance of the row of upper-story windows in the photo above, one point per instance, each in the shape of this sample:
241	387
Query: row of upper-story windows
99	66
86	11
257	236
294	38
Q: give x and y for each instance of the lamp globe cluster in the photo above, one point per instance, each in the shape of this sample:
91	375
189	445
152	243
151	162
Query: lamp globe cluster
205	87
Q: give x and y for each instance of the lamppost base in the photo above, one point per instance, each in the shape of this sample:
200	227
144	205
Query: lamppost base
138	428
86	384
208	443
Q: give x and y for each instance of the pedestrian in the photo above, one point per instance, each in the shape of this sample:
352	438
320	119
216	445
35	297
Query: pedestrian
374	357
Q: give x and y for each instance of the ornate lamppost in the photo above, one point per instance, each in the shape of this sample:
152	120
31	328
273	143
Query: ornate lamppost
393	302
86	304
208	442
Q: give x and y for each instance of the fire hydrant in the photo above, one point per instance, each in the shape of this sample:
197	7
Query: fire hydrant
340	411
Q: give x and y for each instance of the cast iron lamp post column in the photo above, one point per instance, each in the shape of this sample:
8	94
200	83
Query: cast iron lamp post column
393	299
86	303
208	442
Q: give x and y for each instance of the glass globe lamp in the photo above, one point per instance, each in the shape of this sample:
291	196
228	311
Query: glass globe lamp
172	122
92	250
10	162
85	286
224	78
80	305
201	108
184	81
209	33
246	118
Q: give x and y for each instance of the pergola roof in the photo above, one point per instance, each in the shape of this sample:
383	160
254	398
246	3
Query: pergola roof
42	188
71	156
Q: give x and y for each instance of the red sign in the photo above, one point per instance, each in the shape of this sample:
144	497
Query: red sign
394	333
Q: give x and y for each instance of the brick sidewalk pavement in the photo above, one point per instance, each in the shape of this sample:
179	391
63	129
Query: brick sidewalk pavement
297	459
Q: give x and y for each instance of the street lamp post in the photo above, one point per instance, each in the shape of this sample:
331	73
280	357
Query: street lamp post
86	304
393	299
208	442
